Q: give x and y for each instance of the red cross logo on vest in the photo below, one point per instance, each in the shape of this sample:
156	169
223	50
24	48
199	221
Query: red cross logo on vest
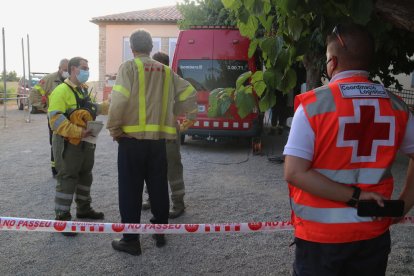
366	130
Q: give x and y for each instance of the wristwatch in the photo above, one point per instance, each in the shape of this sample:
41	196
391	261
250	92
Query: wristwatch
355	197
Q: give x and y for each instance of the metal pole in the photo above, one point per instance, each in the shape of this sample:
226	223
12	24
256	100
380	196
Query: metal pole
24	79
4	79
30	78
23	84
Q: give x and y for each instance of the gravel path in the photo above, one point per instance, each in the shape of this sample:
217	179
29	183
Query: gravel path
239	191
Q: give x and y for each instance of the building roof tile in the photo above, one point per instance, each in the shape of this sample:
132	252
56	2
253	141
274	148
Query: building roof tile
168	14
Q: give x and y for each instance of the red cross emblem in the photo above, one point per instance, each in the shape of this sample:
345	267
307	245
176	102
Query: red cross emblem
366	130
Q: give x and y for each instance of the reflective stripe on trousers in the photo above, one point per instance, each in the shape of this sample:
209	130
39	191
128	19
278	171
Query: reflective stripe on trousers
74	165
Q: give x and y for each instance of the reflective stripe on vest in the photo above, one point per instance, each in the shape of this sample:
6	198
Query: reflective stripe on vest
324	102
40	89
142	125
334	118
363	175
328	215
122	90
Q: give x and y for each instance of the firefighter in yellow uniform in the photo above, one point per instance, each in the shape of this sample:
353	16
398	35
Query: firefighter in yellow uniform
74	158
39	97
145	99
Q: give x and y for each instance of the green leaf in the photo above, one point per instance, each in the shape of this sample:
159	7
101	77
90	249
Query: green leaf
258	7
295	27
248	89
267	6
288	81
249	29
272	46
341	6
257	76
213	109
283	59
225	103
361	11
287	6
231	4
242	79
266	21
245	102
248	4
267	101
272	77
252	47
259	87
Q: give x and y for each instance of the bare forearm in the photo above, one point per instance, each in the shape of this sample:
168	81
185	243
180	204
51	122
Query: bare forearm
408	191
299	173
316	184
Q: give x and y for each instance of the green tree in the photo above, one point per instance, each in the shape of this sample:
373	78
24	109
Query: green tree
204	12
10	76
294	31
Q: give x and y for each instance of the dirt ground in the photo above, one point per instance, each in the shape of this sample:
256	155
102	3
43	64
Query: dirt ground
224	183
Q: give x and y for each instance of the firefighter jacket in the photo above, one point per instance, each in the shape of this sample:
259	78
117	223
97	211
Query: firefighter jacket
344	151
45	86
63	100
145	99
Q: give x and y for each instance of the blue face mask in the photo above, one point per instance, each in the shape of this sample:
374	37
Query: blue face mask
83	76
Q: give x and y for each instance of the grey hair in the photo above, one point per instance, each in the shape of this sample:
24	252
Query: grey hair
141	41
63	61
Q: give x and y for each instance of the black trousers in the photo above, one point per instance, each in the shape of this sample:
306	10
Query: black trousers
52	158
139	161
361	258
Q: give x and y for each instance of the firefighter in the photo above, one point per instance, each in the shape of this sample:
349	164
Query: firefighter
39	98
175	167
342	144
74	158
145	99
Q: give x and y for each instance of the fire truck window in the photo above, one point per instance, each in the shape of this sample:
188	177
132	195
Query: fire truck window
206	75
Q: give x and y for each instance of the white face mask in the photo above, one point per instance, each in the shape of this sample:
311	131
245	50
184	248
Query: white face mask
65	74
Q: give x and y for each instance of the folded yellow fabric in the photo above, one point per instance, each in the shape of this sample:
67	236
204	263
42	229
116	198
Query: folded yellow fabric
79	117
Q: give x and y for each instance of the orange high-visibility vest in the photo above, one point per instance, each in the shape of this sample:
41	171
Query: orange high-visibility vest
358	128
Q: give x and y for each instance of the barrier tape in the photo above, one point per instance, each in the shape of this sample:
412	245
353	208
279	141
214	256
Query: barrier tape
39	225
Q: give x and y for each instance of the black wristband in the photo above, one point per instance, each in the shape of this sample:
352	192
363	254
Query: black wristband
355	197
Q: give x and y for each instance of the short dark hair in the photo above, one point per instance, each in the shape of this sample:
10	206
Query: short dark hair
141	41
75	62
358	49
161	57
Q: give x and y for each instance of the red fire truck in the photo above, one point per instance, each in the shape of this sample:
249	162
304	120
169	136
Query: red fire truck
210	58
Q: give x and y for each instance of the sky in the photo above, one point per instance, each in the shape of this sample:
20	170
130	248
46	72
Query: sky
58	29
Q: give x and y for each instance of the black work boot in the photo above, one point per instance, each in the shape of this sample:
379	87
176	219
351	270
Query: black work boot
159	240
130	247
177	209
65	216
175	212
90	214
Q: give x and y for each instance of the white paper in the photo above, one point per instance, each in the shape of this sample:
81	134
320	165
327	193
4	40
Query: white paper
95	127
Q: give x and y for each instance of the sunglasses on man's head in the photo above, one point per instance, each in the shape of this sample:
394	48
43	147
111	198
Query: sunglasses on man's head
336	32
